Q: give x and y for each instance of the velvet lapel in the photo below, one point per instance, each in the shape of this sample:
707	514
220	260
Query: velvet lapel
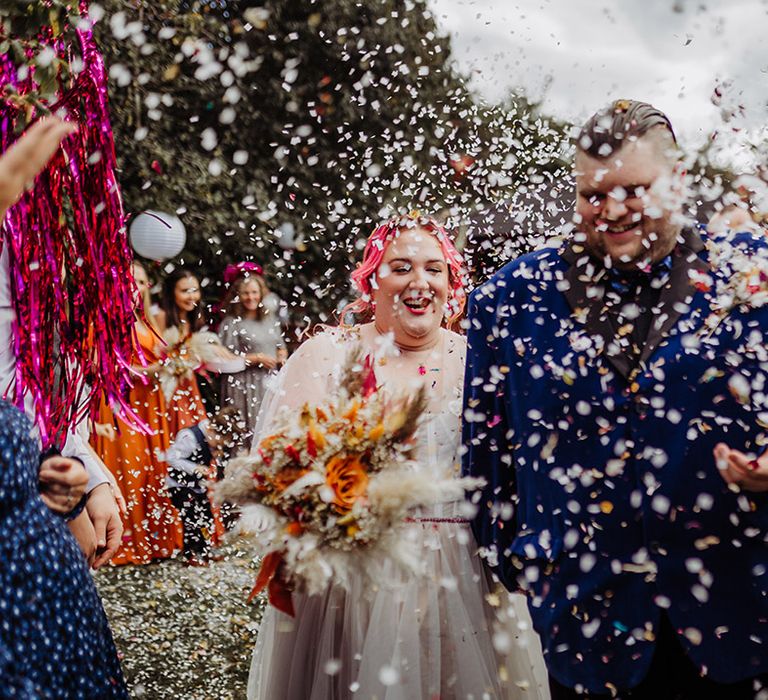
677	294
584	293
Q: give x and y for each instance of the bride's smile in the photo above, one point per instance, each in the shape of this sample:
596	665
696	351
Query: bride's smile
411	289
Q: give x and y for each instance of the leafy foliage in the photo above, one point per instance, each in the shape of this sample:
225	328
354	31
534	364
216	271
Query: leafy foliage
29	34
283	133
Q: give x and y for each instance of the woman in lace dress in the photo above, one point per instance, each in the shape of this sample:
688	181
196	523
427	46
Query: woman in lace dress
411	636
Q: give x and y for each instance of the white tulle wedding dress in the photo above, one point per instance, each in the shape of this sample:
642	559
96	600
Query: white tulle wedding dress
409	637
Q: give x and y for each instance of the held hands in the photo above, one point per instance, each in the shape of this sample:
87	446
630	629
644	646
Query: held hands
21	163
62	483
737	468
98	528
259	359
82	529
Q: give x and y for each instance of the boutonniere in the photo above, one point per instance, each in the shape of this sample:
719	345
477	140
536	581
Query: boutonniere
739	281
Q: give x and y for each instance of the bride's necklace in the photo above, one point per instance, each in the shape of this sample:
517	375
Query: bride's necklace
422	368
431	356
424	360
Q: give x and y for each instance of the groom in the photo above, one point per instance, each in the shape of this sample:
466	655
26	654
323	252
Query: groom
619	421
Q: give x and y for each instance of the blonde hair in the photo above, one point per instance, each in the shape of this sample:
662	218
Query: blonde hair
235	307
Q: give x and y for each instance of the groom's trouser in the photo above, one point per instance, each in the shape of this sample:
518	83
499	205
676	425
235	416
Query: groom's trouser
672	676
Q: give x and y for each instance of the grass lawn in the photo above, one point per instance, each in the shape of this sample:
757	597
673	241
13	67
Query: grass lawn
184	632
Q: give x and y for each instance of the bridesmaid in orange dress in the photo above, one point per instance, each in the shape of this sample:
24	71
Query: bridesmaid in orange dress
152	526
180	316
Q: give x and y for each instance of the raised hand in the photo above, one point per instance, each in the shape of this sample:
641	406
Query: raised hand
737	468
21	163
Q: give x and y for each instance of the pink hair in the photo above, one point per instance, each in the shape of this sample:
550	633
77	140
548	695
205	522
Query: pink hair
376	247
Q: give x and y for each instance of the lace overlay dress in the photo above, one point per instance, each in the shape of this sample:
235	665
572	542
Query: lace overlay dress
242	336
410	636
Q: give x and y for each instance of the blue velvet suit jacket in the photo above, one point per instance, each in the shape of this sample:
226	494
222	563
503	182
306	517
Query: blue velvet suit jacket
604	502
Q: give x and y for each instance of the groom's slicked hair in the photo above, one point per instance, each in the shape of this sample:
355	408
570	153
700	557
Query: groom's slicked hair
609	129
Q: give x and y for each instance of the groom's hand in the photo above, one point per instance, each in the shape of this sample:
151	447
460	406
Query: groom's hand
737	468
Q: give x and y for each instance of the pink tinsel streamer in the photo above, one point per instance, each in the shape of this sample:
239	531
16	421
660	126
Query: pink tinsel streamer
72	221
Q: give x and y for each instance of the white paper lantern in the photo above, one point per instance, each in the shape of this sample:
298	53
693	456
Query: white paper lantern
157	235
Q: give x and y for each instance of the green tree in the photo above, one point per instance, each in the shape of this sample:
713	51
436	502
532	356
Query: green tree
283	132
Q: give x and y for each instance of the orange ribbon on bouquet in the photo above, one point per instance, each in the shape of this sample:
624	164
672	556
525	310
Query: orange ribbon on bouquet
270	577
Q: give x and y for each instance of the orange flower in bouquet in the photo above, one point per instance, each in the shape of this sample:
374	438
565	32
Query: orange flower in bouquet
348	479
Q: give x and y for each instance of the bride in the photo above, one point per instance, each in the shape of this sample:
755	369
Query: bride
408	637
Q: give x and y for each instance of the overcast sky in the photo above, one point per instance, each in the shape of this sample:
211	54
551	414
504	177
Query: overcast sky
577	55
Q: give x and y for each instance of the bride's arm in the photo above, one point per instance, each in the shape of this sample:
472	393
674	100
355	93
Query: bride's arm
309	372
307	377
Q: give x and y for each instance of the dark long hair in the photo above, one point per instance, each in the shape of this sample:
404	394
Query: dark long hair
196	318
